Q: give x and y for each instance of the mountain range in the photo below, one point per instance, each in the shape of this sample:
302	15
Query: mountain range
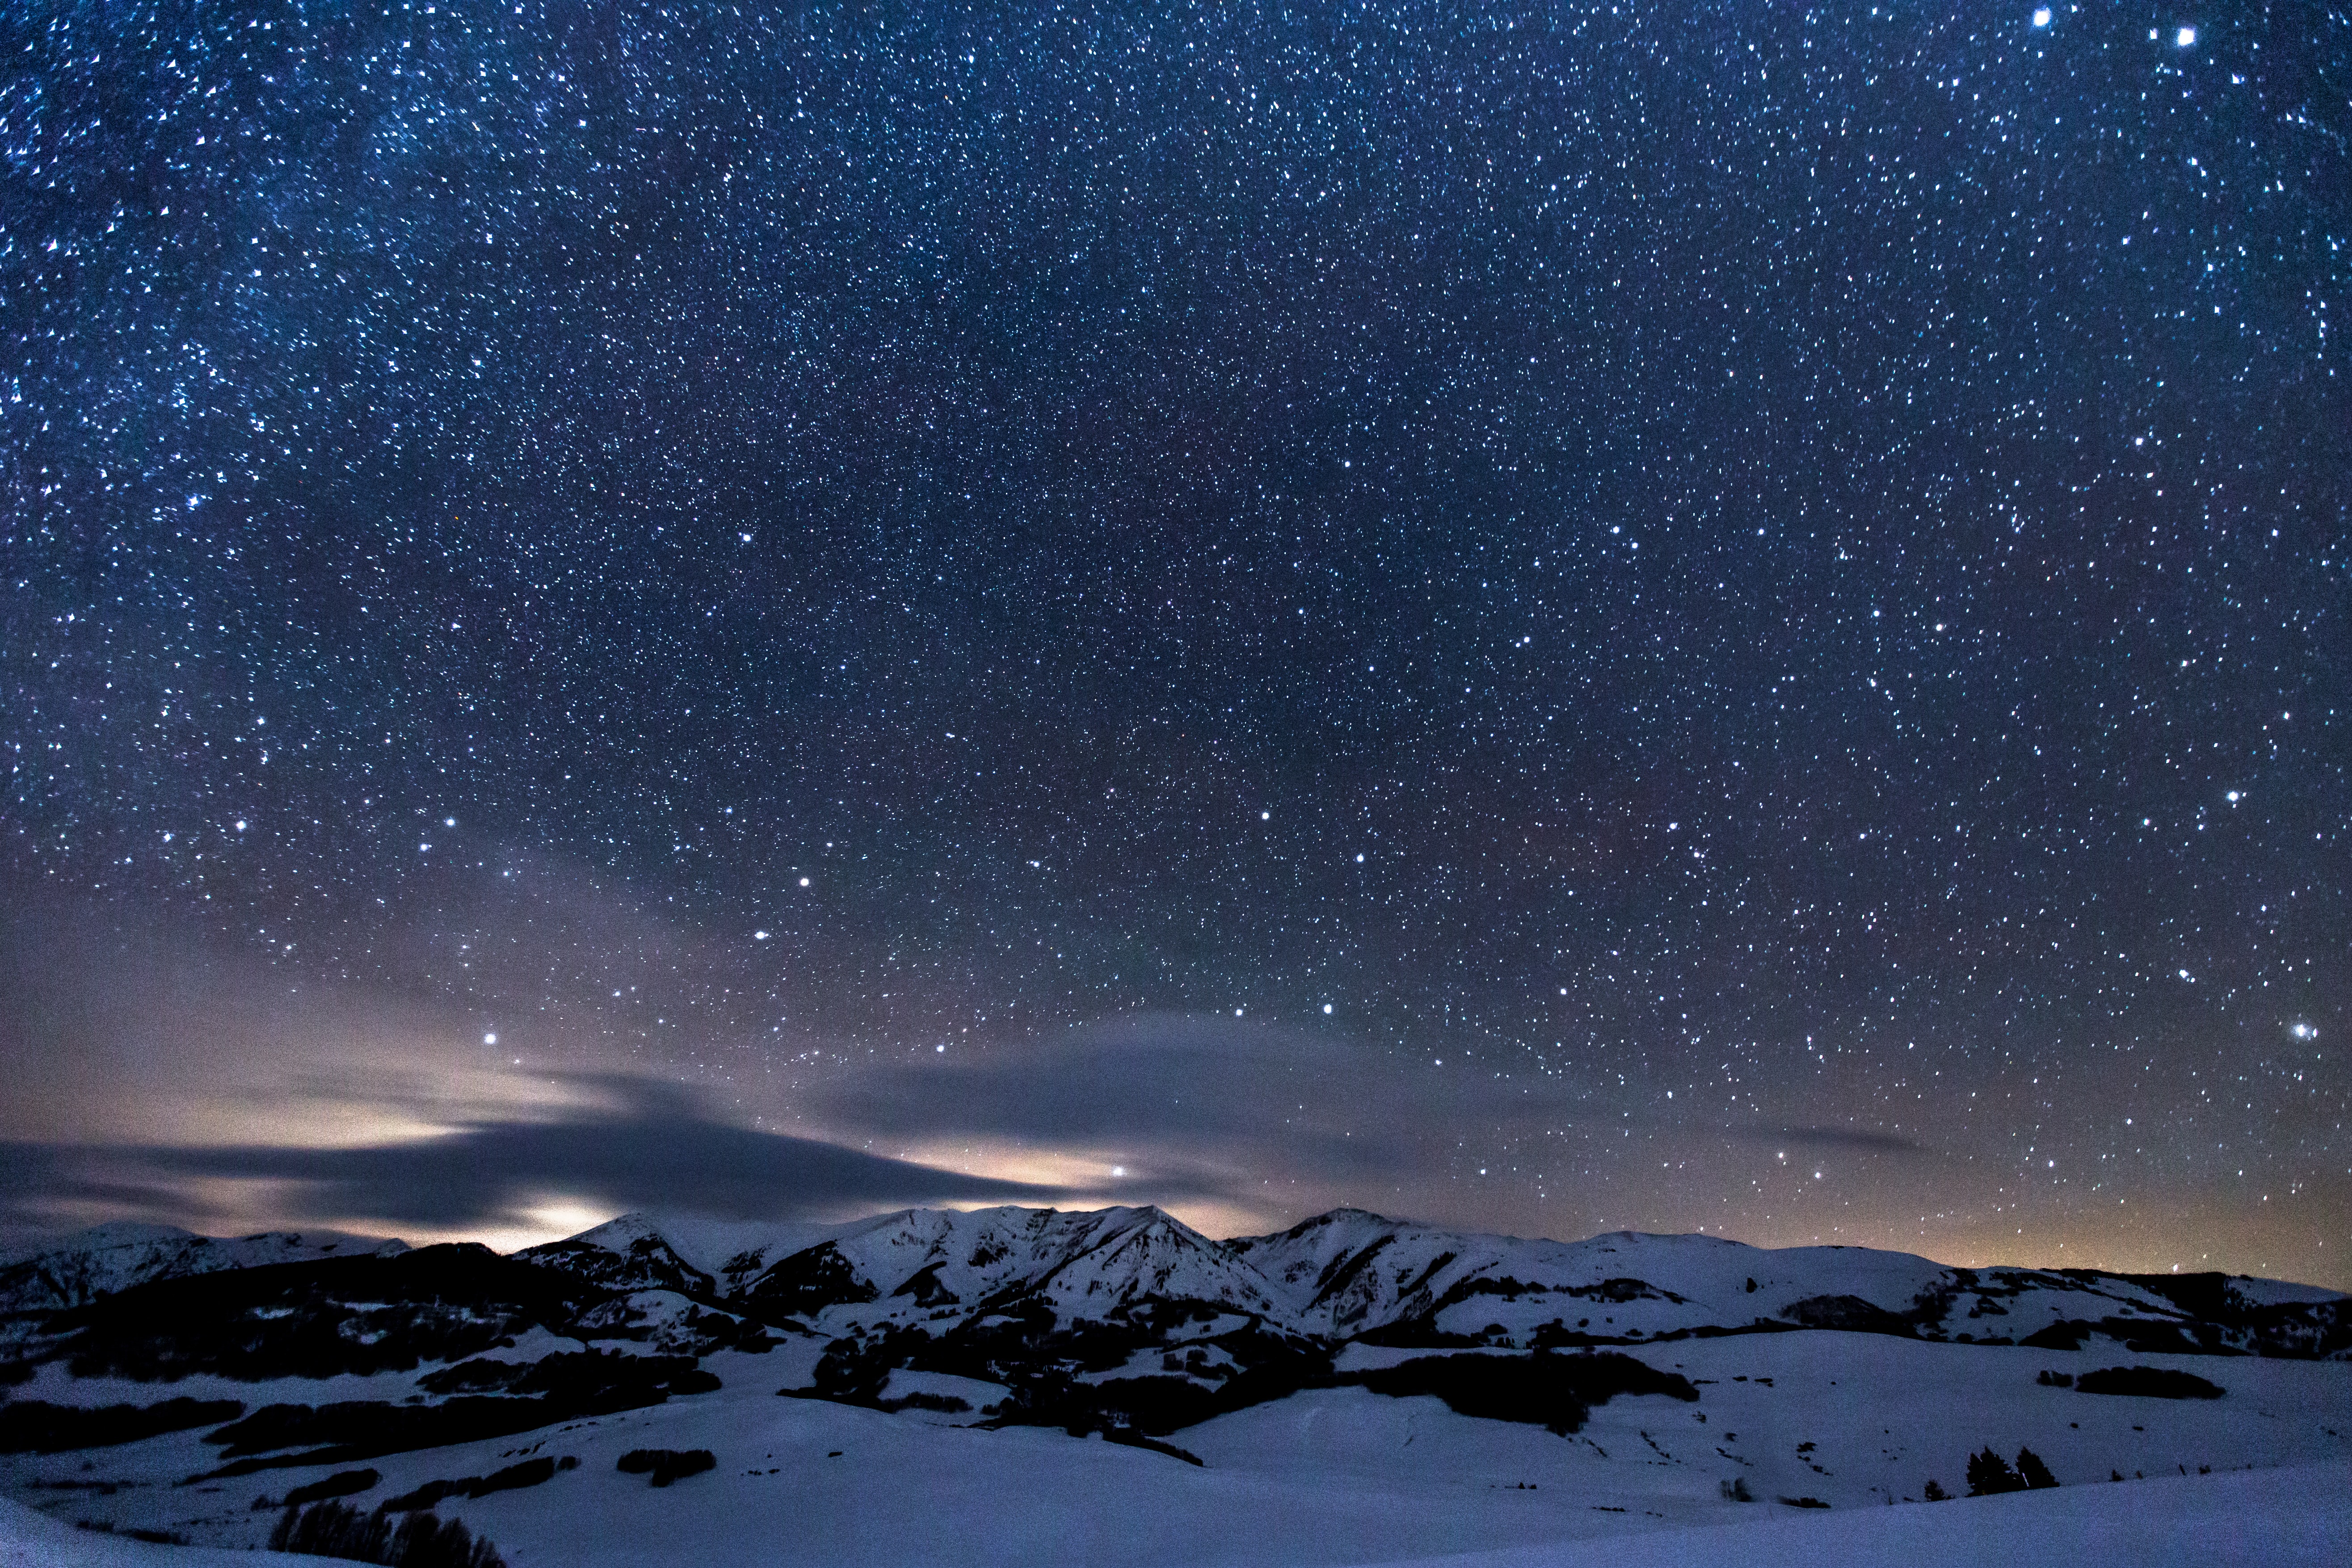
175	1370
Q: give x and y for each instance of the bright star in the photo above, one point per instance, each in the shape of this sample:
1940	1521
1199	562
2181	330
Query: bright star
2042	18
2185	36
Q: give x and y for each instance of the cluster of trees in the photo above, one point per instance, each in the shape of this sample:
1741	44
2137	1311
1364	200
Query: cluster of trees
1989	1474
419	1540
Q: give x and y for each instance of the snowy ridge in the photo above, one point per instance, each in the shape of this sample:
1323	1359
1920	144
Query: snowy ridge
1351	1274
1337	1277
72	1270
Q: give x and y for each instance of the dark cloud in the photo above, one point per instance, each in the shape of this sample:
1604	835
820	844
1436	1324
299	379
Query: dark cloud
653	1149
44	1186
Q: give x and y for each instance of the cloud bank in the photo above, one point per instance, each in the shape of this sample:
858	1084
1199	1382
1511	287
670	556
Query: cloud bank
653	1148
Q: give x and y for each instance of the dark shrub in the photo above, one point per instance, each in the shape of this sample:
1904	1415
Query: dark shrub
2032	1471
1804	1502
945	1404
666	1465
1935	1492
1850	1313
2148	1382
427	1495
2056	1379
343	1483
36	1427
1554	1391
529	1473
1989	1474
514	1478
2066	1334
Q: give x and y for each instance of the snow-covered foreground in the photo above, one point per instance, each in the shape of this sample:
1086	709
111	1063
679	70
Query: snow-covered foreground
31	1540
2262	1519
1344	1475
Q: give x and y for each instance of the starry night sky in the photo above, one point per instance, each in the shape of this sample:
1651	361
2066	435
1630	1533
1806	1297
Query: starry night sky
1721	616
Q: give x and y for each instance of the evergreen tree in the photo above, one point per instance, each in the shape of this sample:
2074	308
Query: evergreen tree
1989	1473
2032	1471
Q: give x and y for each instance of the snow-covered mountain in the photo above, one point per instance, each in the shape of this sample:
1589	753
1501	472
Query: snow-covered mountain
1350	1275
1341	1276
924	1264
1349	1351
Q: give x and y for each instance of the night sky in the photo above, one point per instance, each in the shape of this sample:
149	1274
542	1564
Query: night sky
1721	616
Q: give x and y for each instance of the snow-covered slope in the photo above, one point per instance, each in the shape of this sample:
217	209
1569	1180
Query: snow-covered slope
32	1540
2298	1517
1328	1477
